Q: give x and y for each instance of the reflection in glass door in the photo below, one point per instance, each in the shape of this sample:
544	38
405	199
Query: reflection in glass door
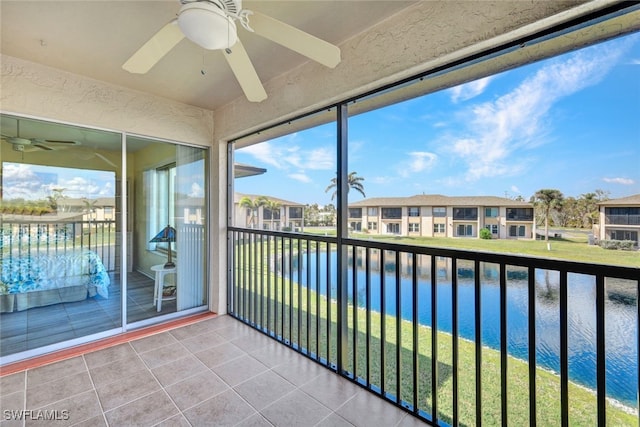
60	236
169	243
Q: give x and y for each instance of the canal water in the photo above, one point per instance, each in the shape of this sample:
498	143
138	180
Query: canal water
620	319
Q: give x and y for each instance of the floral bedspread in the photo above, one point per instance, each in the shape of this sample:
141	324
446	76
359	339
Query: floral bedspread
41	272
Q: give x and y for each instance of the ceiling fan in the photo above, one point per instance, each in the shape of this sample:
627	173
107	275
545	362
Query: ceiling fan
22	144
211	25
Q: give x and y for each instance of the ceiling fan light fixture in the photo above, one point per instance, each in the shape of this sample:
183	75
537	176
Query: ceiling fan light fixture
207	25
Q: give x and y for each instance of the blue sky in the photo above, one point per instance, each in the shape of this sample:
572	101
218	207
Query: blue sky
571	122
35	182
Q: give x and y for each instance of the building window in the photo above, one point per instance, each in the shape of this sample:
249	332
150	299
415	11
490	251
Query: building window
372	225
438	228
393	228
465	213
440	212
295	212
491	212
520	214
355	212
465	230
270	214
413	211
161	209
517	231
493	228
391	213
372	211
356	226
414	227
624	235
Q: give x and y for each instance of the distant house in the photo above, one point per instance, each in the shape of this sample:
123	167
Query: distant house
287	215
620	219
443	216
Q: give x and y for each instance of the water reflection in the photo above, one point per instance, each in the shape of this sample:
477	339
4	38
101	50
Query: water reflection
620	310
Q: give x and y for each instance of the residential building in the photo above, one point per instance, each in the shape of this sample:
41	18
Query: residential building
280	215
619	219
436	215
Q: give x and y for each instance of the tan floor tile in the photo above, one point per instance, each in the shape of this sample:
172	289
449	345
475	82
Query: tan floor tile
53	391
55	371
239	370
196	389
166	354
12	383
152	342
264	389
331	389
296	409
146	411
178	370
227	409
109	355
366	409
126	390
79	408
219	355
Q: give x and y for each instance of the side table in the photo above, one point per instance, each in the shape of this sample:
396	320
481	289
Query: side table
161	273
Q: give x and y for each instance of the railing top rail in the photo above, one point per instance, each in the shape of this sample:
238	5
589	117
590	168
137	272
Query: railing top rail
630	273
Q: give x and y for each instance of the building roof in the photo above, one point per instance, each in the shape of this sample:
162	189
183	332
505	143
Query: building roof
238	196
440	200
629	200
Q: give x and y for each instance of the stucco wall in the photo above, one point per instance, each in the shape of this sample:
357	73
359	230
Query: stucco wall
45	92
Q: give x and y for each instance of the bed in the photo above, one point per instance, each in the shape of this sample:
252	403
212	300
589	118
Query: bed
37	280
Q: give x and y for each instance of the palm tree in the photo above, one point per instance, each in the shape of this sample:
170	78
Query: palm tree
253	205
272	206
353	181
548	199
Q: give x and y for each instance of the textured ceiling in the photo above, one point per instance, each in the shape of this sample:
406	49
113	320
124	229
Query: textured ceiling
94	39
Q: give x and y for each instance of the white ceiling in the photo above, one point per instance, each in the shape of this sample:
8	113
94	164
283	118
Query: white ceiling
94	39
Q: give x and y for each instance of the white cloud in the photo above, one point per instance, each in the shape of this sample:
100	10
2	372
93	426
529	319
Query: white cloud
515	189
493	131
469	90
300	177
196	190
289	155
418	161
623	181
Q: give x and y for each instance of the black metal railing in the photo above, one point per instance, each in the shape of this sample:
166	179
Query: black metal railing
454	337
622	219
34	238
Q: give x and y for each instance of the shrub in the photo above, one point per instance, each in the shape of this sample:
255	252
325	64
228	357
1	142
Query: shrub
623	245
485	234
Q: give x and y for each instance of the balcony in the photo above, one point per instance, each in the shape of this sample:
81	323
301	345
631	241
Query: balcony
622	219
217	371
451	337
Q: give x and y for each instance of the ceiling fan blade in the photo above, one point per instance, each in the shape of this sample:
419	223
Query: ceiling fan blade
56	141
153	50
41	146
297	40
245	73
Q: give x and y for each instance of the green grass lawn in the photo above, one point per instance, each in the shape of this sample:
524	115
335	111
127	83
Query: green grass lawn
297	315
572	247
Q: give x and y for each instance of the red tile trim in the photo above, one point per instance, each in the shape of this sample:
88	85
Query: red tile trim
68	353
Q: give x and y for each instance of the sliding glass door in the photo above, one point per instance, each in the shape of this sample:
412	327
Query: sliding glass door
89	233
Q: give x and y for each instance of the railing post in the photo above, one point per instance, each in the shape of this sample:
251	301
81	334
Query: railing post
342	191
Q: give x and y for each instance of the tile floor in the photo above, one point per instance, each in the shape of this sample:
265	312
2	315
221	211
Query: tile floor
41	326
216	372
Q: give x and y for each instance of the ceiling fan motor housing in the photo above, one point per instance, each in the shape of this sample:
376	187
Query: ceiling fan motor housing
207	23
